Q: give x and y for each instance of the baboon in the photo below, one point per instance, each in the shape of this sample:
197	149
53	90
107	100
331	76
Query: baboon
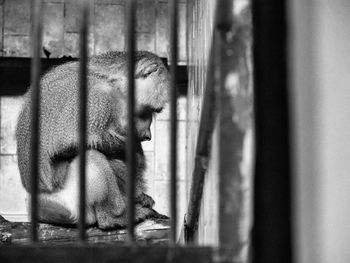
106	143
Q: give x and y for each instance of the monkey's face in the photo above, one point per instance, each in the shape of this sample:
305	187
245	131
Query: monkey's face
143	123
152	86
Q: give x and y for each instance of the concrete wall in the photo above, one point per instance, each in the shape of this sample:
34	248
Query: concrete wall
61	39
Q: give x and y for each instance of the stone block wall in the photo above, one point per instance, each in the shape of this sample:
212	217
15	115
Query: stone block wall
107	29
60	38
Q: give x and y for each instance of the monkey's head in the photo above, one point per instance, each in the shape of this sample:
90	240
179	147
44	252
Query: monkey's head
151	82
152	91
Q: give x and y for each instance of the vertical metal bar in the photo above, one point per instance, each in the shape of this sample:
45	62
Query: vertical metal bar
131	151
83	95
173	11
272	233
35	110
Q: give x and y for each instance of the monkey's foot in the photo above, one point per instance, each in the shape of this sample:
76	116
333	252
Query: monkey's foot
51	210
54	212
107	220
156	215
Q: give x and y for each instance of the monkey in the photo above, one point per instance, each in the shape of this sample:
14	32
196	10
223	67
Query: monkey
106	168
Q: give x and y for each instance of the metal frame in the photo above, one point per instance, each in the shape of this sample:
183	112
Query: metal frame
272	235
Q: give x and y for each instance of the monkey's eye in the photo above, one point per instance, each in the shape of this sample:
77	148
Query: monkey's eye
146	113
149	70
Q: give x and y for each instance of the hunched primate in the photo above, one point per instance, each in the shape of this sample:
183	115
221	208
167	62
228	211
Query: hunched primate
106	143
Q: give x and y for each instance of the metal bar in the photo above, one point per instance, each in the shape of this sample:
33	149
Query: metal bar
272	233
131	151
83	95
35	110
173	11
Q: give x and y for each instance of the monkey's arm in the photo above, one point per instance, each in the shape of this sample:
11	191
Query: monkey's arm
65	136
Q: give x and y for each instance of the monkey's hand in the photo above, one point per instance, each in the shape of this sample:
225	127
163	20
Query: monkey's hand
145	200
155	214
110	144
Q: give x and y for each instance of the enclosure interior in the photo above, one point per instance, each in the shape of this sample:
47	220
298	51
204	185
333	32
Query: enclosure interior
107	32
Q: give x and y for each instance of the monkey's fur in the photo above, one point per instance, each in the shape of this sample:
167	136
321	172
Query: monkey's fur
107	130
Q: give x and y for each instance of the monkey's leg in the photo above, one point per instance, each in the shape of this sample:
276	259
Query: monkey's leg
104	203
105	195
144	203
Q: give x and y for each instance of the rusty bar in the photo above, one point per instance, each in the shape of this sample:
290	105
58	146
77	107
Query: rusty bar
83	94
35	119
131	151
173	11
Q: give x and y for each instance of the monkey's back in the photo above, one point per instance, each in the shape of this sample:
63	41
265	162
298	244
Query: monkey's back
59	118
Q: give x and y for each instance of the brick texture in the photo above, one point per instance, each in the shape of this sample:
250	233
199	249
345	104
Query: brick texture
53	30
17	17
145	16
162	201
149	173
162	30
71	44
109	28
145	41
17	46
71	21
12	194
10	108
163	148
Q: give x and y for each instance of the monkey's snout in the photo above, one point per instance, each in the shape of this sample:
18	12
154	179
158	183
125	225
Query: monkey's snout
147	136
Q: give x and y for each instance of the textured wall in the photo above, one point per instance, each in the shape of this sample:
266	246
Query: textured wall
60	35
61	38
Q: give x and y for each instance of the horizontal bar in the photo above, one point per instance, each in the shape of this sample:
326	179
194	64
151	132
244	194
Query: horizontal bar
83	95
173	11
105	253
35	119
15	74
131	147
